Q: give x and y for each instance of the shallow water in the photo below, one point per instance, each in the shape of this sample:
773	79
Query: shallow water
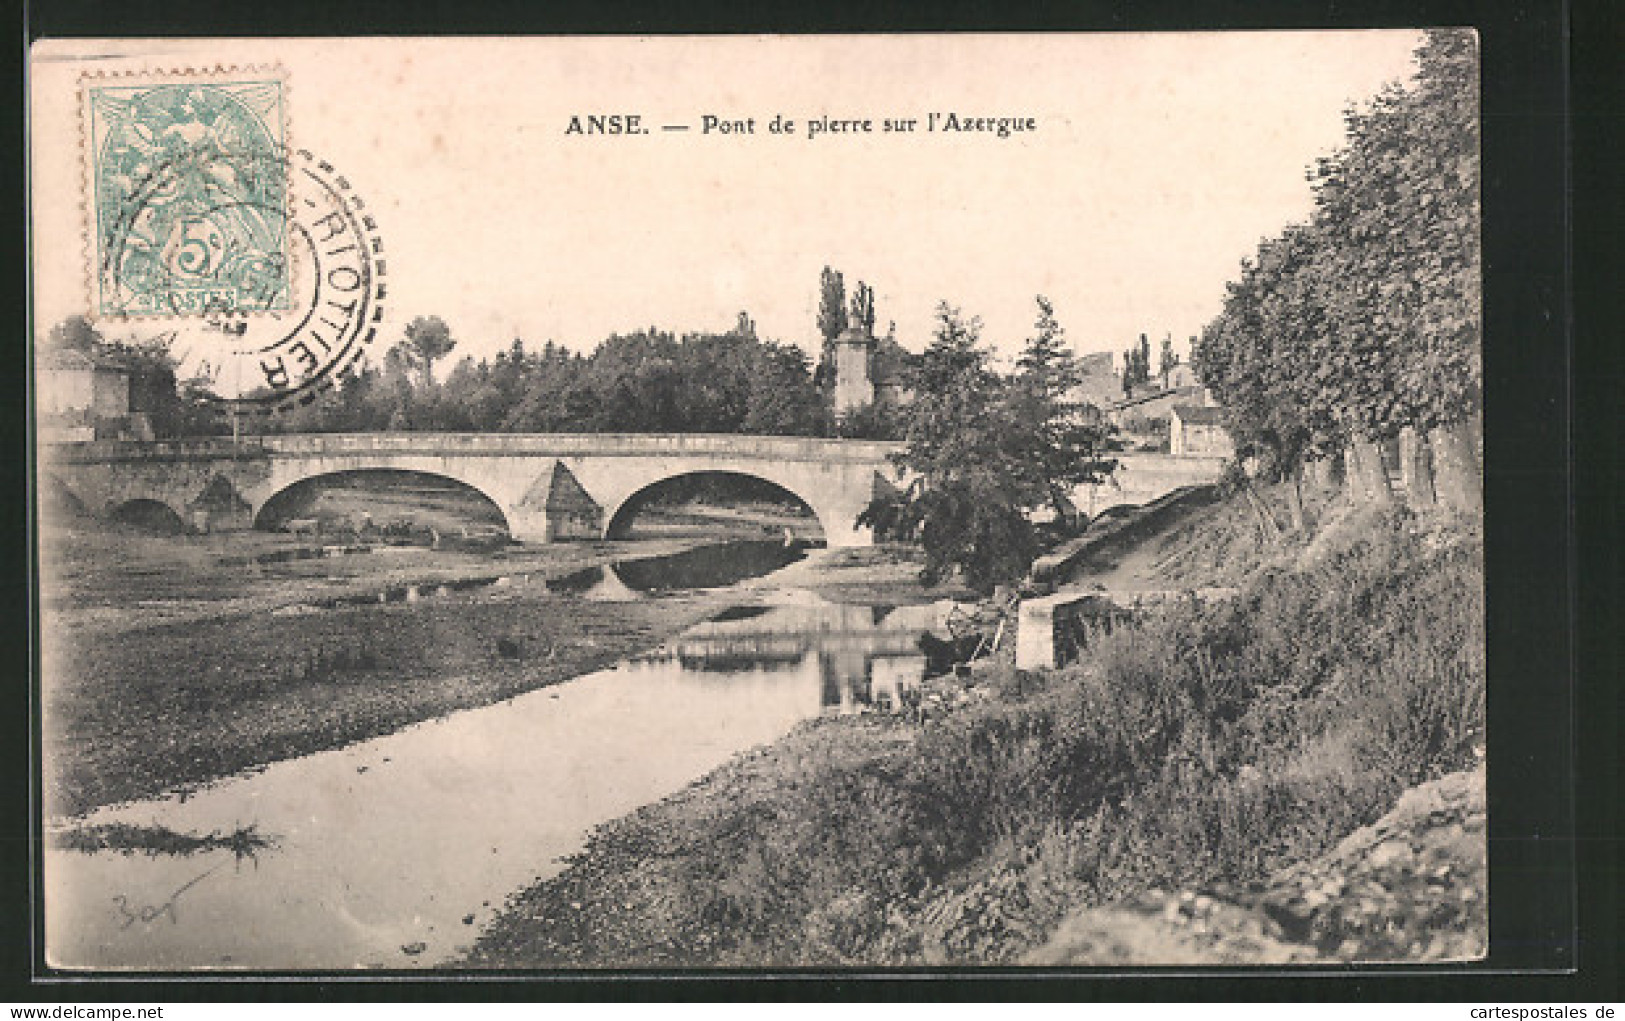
394	852
708	567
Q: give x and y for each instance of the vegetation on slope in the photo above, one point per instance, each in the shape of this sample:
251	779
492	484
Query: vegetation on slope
1202	744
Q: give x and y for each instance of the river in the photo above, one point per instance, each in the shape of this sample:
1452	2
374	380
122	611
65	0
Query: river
392	853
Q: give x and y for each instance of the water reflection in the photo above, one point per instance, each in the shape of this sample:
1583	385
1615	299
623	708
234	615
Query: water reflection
715	566
394	852
860	657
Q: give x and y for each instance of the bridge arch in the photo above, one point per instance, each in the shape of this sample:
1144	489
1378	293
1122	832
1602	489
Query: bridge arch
149	515
294	497
58	500
618	520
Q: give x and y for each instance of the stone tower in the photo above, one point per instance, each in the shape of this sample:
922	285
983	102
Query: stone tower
853	386
854	355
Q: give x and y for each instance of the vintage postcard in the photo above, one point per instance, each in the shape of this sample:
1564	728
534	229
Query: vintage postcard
759	501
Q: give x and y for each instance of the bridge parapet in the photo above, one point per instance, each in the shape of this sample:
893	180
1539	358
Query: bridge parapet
787	448
121	451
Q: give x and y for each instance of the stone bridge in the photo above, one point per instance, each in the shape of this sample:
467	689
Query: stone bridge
547	486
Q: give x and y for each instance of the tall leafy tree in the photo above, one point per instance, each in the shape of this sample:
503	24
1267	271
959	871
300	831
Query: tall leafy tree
1365	322
1400	206
831	305
1055	439
1261	359
1167	360
862	313
976	444
428	340
1137	365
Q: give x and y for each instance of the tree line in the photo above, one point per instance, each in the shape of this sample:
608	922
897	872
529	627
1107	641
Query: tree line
651	380
1137	363
1363	325
647	381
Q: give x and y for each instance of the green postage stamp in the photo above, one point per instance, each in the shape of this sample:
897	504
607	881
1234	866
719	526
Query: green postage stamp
188	194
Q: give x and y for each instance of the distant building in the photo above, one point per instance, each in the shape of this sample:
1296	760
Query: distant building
72	381
888	363
79	397
1099	384
868	372
1180	376
1153	402
1198	430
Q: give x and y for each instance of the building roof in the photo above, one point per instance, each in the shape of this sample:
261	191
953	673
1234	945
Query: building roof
1096	363
1154	393
69	359
1192	415
890	361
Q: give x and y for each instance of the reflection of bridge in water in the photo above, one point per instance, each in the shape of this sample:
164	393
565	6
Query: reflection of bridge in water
847	657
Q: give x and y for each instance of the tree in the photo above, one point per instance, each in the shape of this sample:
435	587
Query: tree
1262	361
1056	439
396	393
1046	358
1168	360
428	340
75	333
831	322
1364	323
831	305
1401	205
781	400
1136	365
862	313
979	448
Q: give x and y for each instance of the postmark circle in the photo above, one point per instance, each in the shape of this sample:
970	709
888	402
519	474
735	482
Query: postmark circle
209	288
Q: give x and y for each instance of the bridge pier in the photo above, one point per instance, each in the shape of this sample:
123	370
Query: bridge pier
841	528
546	526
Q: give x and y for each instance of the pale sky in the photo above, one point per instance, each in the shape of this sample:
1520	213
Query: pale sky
1158	163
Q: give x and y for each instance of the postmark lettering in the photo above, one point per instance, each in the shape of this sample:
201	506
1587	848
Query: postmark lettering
257	257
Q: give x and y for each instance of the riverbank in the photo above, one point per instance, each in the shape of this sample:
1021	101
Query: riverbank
172	661
169	662
1200	746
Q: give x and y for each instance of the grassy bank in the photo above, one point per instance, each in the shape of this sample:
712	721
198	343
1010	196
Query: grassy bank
1201	745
